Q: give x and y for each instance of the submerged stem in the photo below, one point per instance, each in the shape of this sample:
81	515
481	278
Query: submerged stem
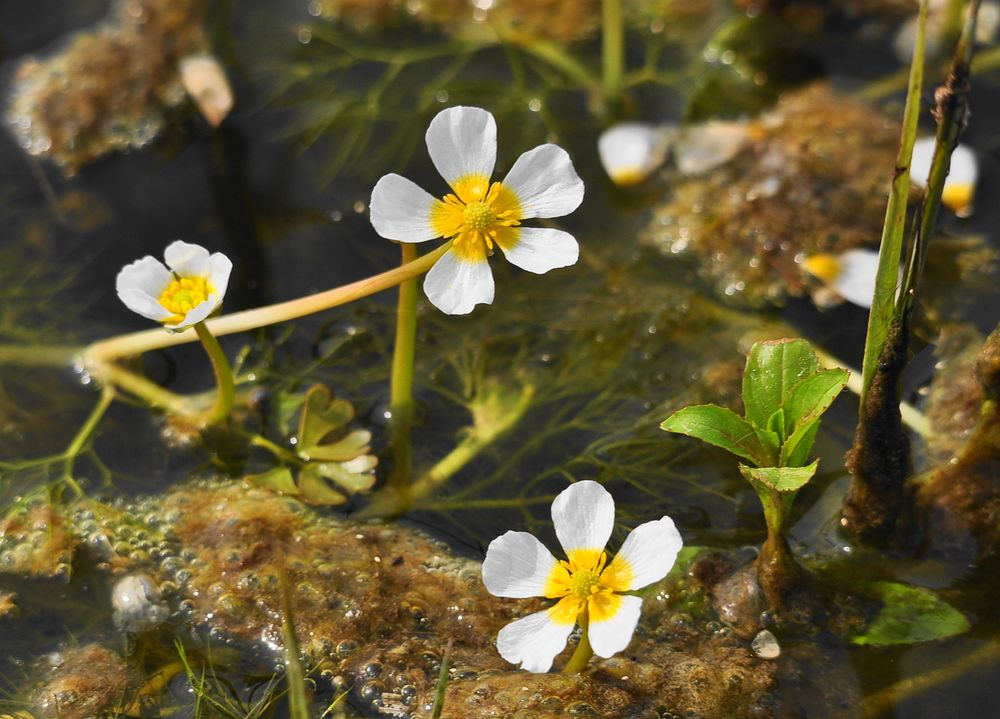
83	436
224	385
612	49
578	662
401	394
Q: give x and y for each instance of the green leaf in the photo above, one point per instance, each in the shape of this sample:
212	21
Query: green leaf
773	369
813	396
278	479
776	424
354	476
723	428
795	450
352	445
320	416
317	490
780	479
909	615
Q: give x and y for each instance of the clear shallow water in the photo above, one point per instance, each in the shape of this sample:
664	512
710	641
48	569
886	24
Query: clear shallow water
616	342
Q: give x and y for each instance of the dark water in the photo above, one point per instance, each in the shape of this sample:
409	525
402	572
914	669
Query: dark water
617	339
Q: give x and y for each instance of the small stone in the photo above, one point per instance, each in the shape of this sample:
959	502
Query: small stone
137	604
765	645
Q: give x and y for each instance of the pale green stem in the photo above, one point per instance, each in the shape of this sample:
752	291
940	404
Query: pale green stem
554	55
139	386
578	662
276	450
224	385
401	397
612	49
138	342
882	703
39	355
83	436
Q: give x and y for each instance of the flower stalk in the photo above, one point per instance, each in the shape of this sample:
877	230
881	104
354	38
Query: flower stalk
612	49
401	391
583	652
225	387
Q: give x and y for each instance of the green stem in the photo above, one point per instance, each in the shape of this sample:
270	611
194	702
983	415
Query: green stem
556	56
150	392
401	397
578	662
277	450
225	388
135	343
83	436
612	49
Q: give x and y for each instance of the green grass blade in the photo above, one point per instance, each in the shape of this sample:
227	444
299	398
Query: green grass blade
883	311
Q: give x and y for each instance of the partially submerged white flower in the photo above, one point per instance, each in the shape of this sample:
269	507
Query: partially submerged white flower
205	81
480	215
181	296
850	275
587	585
959	186
631	151
704	147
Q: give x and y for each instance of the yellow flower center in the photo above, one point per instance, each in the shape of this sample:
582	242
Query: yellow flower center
587	583
184	294
479	215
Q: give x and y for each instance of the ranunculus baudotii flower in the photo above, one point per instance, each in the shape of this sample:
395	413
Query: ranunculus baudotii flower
586	583
185	291
480	214
960	184
851	275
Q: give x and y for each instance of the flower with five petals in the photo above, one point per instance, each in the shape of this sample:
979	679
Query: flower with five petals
181	296
480	214
590	589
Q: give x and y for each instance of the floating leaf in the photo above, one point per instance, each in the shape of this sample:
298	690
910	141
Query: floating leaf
909	615
278	479
320	416
780	479
773	370
723	428
354	444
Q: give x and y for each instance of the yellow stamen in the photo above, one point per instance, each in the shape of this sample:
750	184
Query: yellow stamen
957	196
477	216
183	295
587	581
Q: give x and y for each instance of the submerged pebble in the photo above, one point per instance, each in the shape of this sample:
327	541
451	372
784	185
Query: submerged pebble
765	645
137	604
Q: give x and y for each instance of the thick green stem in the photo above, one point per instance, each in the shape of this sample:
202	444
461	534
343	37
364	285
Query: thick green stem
578	662
612	49
224	385
135	343
150	392
401	398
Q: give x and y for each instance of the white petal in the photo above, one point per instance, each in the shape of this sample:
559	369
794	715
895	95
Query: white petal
630	151
540	249
533	641
401	210
219	269
611	636
647	555
517	565
187	259
455	286
545	182
705	147
856	281
920	163
205	81
148	275
583	515
138	301
197	313
462	141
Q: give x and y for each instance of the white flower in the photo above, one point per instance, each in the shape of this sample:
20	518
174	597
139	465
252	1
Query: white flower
960	185
179	297
586	585
462	142
631	151
850	275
